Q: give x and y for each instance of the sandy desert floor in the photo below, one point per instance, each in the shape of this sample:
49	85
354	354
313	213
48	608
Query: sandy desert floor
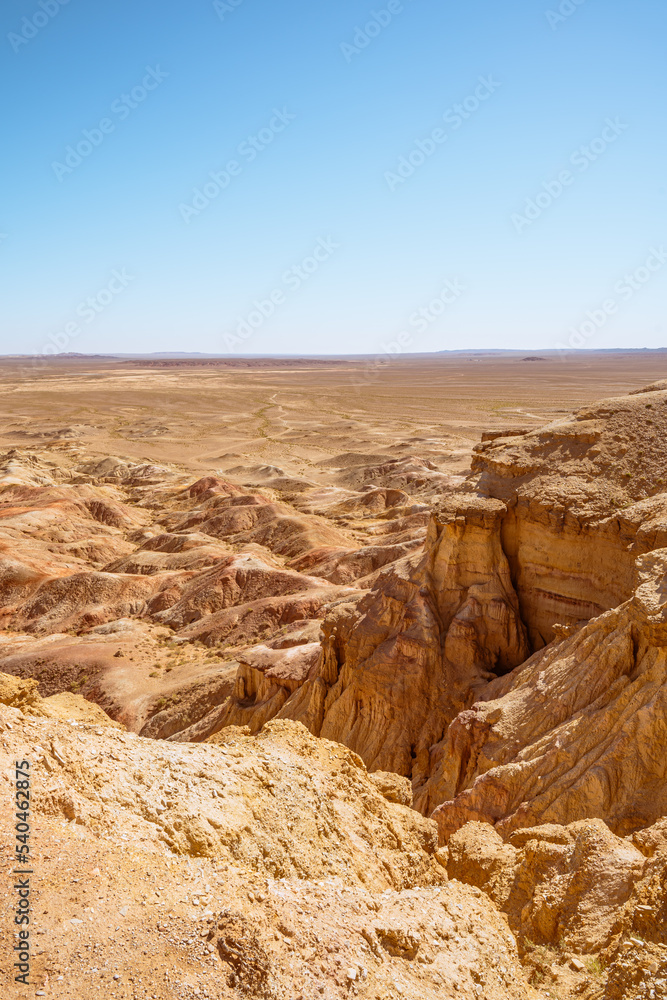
202	418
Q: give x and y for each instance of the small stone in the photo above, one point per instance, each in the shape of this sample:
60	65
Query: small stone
442	856
123	911
577	965
351	975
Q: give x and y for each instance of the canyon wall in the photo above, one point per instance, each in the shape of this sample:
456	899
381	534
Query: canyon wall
538	559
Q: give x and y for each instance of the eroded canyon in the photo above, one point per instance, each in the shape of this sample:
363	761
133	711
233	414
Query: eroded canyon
341	680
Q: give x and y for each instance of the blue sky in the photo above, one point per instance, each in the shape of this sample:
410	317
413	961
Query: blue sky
335	112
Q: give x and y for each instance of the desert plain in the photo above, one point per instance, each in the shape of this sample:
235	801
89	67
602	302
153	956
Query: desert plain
337	677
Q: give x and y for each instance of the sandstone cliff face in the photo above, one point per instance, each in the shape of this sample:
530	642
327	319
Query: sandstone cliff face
572	549
264	682
514	560
393	632
574	732
469	579
398	664
585	496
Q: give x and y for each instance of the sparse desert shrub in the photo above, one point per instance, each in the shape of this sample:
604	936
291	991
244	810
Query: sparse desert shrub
595	966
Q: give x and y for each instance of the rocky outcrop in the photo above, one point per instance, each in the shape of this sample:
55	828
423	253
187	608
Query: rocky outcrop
576	890
24	695
618	442
565	885
266	866
399	663
572	549
265	680
572	733
520	557
468	576
585	497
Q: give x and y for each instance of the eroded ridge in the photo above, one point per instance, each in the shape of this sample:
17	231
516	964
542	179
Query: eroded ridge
426	707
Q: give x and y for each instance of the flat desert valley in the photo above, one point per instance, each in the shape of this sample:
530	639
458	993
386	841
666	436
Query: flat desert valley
299	415
337	677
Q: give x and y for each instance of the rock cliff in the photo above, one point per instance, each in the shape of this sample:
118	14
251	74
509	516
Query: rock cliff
444	694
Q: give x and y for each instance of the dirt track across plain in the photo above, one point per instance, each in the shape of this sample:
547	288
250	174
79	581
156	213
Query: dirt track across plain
297	418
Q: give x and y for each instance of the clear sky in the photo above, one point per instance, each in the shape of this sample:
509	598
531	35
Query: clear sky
318	118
